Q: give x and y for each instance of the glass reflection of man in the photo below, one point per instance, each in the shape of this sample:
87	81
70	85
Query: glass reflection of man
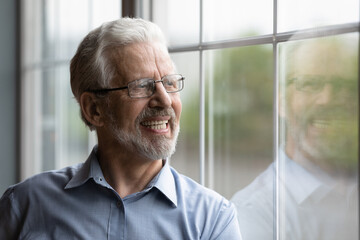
321	105
318	110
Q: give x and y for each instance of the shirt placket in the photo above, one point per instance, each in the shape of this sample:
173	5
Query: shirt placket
117	221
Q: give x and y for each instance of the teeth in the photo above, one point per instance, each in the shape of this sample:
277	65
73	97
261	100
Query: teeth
321	124
155	124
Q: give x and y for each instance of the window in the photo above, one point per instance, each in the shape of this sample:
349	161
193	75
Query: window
270	109
270	106
53	135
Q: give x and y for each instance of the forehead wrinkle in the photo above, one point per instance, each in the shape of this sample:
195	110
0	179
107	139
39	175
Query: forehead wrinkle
162	60
118	57
142	60
144	56
129	60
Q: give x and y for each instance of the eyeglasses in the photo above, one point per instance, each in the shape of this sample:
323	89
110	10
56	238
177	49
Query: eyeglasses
143	88
315	84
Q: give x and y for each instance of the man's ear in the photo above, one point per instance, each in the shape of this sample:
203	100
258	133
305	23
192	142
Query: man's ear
91	109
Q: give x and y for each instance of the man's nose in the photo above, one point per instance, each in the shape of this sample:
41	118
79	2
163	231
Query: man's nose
160	98
325	95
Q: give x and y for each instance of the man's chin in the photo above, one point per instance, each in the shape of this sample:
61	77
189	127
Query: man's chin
334	155
151	146
156	153
155	148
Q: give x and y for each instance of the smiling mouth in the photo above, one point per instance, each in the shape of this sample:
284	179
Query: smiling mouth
321	124
156	125
325	124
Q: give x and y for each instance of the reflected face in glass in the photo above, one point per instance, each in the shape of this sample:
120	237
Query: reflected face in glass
150	125
321	103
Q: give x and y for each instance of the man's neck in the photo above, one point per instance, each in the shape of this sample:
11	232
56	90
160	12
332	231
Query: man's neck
126	172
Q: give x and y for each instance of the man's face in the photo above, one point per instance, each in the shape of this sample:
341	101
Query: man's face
321	105
147	126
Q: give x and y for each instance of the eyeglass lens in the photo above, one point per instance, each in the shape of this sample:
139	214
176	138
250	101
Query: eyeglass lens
146	87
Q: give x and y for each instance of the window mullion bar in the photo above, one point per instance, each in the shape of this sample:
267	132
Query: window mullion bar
151	15
277	229
264	39
202	102
269	39
318	32
358	216
44	65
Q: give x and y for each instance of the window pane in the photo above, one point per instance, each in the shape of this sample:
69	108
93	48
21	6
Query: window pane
48	119
53	135
104	11
31	111
72	25
73	140
239	116
229	19
186	159
66	22
31	31
179	20
319	138
295	15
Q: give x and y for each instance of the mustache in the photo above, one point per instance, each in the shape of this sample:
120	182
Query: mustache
330	113
154	112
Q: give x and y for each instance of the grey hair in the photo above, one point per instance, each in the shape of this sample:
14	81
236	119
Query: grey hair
92	68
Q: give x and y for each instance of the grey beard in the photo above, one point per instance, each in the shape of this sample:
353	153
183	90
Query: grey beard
156	148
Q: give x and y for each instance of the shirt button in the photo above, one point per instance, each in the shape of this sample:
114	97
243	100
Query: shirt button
119	204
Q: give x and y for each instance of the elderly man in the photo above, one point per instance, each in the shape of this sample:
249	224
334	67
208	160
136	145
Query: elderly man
127	89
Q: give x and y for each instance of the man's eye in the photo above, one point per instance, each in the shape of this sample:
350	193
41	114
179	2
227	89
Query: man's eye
170	83
142	85
309	85
145	84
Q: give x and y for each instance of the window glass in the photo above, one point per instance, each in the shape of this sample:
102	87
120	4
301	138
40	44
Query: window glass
295	14
31	109
47	121
319	138
112	10
179	20
73	140
72	24
229	19
66	22
186	157
53	135
54	129
239	116
31	38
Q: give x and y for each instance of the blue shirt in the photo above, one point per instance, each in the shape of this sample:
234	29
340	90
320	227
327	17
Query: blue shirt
309	209
77	203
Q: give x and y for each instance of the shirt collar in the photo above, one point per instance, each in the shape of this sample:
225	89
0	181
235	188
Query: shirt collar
163	181
89	170
300	183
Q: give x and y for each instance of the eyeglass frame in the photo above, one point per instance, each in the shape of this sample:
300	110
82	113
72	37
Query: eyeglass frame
106	90
321	83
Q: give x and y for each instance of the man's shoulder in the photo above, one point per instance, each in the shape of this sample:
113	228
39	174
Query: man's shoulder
45	182
254	205
192	192
207	208
260	189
